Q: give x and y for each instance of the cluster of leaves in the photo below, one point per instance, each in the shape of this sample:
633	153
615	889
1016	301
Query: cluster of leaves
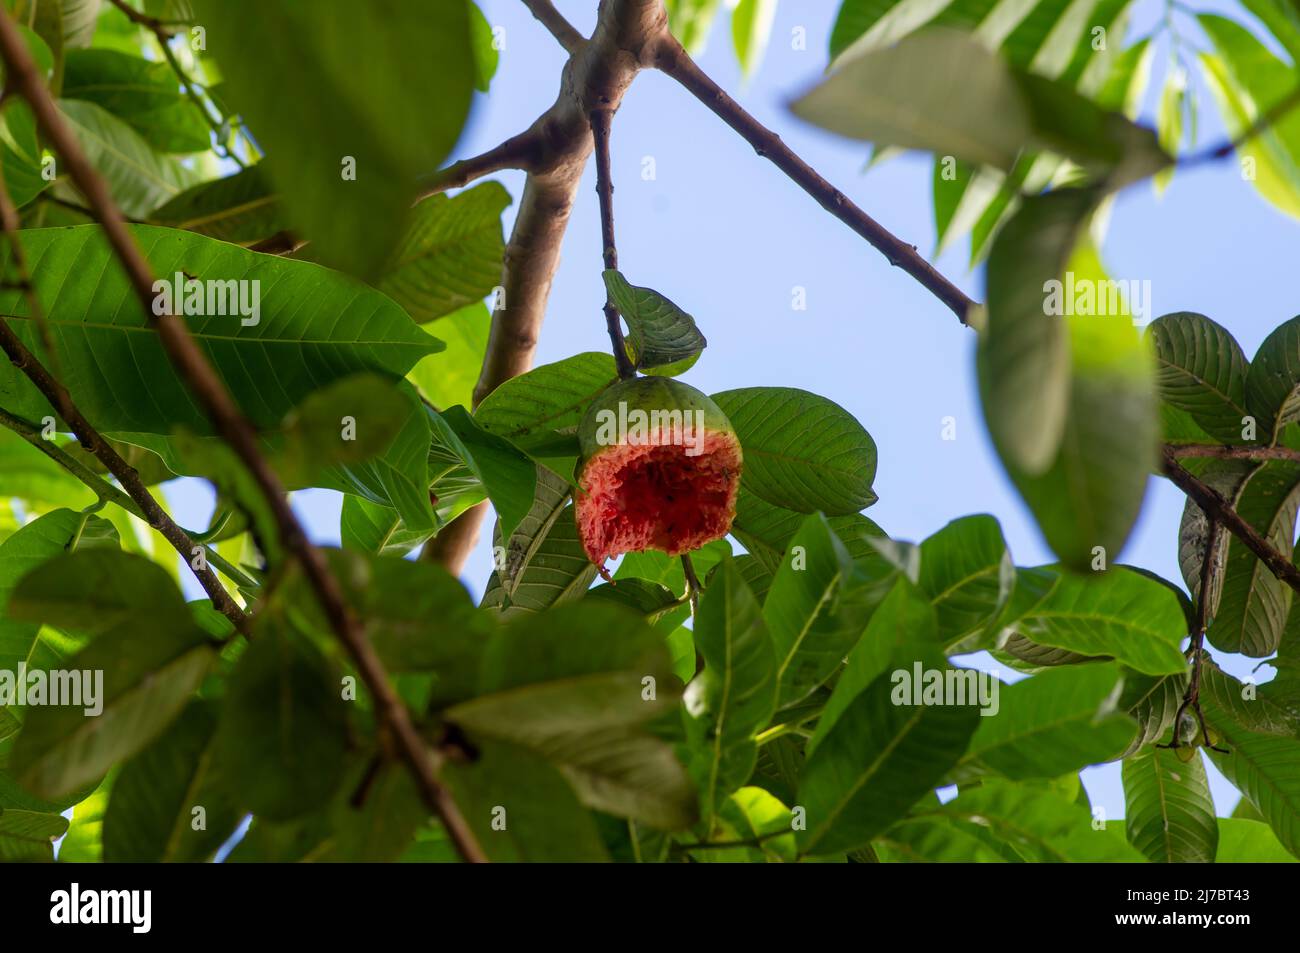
578	722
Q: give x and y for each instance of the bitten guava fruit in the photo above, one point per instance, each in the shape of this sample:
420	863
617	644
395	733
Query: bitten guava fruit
661	469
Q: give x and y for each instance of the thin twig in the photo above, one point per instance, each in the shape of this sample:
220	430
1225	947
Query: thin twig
193	367
693	587
515	153
1192	697
672	59
1218	509
1262	123
601	120
108	493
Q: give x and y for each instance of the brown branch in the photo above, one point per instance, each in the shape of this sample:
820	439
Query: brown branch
517	152
597	75
601	120
1219	452
148	508
1217	508
672	59
553	20
193	367
93	441
1262	123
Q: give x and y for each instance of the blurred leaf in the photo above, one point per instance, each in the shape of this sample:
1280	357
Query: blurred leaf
142	639
313	110
282	740
751	27
151	813
239	208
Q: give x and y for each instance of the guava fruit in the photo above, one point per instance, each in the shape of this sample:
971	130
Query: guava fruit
661	468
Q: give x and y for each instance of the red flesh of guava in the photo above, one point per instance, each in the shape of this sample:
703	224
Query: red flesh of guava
636	497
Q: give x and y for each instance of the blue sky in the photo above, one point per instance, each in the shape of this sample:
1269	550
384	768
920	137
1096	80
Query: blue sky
726	236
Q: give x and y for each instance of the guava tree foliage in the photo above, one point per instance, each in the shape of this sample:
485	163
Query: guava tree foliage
230	253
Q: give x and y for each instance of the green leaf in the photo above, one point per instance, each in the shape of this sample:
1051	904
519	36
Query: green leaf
486	56
313	110
1247	80
800	612
802	452
1154	701
283	708
556	684
733	697
32	545
521	809
539	411
1249	842
1089	496
28	835
557	572
507	475
1169	814
691	21
659	332
139	178
371	528
1041	825
1252	604
448	378
314	327
1273	381
1202	372
551	498
1055	723
1265	768
451	253
144	641
143	94
751	27
1120	614
20	154
967	573
878	760
1169	120
170	802
84	842
766	530
945	92
900	630
239	208
1024	356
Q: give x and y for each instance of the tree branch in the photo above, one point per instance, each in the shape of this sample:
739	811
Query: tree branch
193	367
671	58
554	21
1262	123
1219	452
597	75
601	120
517	152
1219	510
